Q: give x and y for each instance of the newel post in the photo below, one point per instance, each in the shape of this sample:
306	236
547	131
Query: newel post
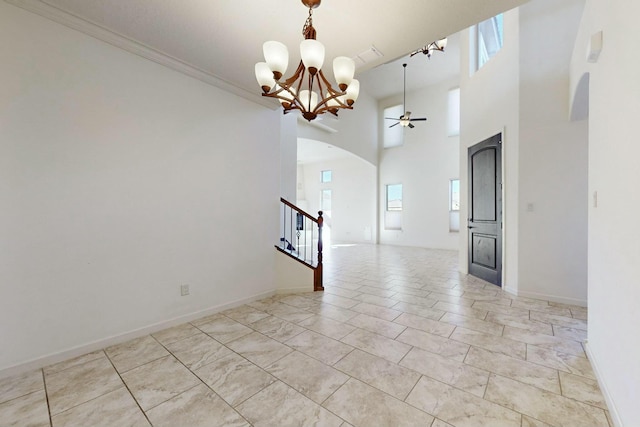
317	274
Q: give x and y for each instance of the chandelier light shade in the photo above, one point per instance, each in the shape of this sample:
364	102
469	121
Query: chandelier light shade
438	45
307	90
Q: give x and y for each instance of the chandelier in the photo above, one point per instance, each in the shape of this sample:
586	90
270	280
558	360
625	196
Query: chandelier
307	90
438	45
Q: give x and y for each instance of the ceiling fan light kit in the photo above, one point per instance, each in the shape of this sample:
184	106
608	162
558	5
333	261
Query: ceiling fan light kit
307	90
436	46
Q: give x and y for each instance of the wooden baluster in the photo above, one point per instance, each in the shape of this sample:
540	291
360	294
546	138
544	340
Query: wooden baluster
317	275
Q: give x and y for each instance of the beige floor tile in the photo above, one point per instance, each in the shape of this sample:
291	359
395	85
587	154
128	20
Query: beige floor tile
462	310
319	347
544	341
548	407
335	290
471	323
419	310
540	306
376	300
259	349
332	312
413	289
582	389
198	350
490	342
280	405
458	407
20	385
134	353
377	345
80	384
518	322
116	408
196	407
451	299
457	374
58	367
26	410
288	312
339	301
579	335
224	329
380	292
299	301
167	336
362	405
327	327
308	376
434	344
428	325
276	328
245	314
567	321
413	299
561	361
520	370
497	308
532	422
379	373
234	378
376	311
579	313
159	381
378	326
440	423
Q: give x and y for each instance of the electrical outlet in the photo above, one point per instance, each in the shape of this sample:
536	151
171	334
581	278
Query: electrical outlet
184	290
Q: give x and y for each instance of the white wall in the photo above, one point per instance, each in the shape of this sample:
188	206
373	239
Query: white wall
119	181
355	130
288	156
489	102
614	293
552	246
353	191
424	164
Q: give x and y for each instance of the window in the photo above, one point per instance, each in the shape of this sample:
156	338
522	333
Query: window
325	176
394	197
453	112
392	137
454	195
454	205
489	37
325	201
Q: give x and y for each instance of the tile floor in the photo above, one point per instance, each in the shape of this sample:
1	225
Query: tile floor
397	338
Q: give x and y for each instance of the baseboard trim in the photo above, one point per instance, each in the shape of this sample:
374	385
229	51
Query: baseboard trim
294	290
100	344
613	411
553	298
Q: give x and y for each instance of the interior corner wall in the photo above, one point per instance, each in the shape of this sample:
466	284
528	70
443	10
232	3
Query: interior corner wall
424	165
614	292
489	102
288	156
353	203
121	180
552	238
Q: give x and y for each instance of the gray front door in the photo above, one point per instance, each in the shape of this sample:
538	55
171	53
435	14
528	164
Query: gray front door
485	210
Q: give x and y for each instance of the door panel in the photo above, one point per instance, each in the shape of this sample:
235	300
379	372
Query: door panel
485	210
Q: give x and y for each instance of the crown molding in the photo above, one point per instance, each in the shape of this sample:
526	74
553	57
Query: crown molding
96	31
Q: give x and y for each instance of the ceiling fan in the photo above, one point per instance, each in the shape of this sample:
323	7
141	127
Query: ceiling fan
405	119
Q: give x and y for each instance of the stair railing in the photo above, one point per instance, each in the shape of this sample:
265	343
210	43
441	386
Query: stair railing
301	238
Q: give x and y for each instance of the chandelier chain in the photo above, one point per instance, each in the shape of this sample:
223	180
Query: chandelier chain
308	23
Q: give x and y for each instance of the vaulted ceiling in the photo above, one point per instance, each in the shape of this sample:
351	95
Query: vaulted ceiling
222	39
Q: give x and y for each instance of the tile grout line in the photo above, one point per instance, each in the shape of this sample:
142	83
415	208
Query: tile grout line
46	396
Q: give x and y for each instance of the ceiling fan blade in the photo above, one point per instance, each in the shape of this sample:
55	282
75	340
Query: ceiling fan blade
419	119
395	124
411	126
391	118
